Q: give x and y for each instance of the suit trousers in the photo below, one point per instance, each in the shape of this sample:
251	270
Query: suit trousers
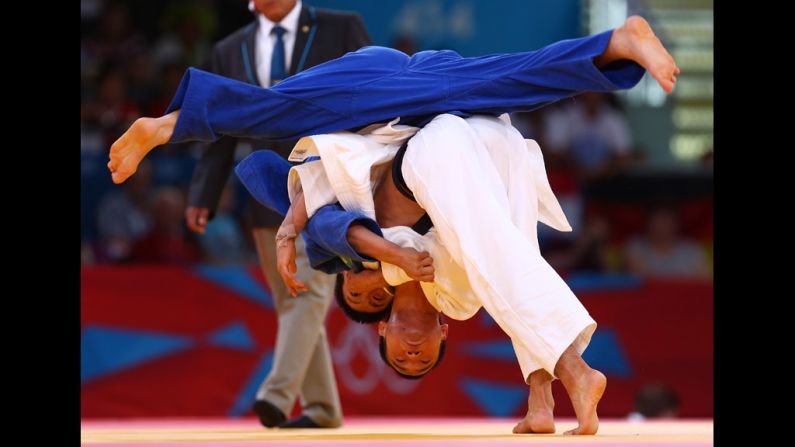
302	361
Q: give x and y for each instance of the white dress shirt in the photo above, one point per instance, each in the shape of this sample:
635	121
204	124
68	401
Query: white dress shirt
265	41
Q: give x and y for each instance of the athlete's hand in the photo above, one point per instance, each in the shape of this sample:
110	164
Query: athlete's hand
418	265
285	265
196	217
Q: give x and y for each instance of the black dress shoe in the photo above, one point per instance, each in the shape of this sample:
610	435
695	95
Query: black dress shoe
269	415
301	422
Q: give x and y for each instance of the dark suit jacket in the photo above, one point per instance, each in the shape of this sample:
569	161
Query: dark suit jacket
337	33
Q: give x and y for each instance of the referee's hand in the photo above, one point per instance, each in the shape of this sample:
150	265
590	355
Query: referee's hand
196	218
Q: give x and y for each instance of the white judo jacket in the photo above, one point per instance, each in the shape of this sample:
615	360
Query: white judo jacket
350	168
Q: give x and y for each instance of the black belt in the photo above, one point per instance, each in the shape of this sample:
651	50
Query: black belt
424	223
397	173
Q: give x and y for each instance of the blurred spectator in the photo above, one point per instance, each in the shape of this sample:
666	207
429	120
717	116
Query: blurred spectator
639	156
531	126
92	138
170	75
141	86
86	254
189	26
663	252
587	253
591	135
222	242
534	125
708	159
123	216
90	10
111	112
167	241
655	401
114	40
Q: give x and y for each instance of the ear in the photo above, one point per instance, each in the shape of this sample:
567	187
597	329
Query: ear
382	328
444	328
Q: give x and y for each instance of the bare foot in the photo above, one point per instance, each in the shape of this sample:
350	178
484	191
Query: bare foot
127	152
538	421
540	405
585	394
635	40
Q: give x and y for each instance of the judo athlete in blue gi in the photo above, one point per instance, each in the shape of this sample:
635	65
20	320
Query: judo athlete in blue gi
357	93
377	84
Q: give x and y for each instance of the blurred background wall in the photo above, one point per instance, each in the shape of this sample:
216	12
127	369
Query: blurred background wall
175	324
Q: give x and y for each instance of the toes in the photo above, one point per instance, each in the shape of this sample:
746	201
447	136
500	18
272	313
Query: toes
121	174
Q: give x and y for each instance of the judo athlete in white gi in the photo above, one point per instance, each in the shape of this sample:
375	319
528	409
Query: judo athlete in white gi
495	167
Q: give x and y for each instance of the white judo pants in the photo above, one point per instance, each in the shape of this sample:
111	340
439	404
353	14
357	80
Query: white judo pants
482	200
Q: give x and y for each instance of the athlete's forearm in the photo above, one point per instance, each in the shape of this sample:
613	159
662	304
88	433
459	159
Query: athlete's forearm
368	243
296	218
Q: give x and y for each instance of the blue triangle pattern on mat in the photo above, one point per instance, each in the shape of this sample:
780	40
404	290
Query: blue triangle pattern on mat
237	279
495	399
105	350
234	335
485	319
605	354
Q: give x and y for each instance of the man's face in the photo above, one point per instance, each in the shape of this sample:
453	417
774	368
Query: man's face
411	350
274	10
362	292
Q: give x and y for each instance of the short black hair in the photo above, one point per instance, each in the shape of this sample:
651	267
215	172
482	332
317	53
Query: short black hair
355	315
382	351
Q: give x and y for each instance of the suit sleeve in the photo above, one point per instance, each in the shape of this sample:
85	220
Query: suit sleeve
215	164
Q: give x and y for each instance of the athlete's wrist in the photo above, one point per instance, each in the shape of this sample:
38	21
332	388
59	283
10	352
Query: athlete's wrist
286	234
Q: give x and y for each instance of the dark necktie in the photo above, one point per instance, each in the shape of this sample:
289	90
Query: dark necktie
278	69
